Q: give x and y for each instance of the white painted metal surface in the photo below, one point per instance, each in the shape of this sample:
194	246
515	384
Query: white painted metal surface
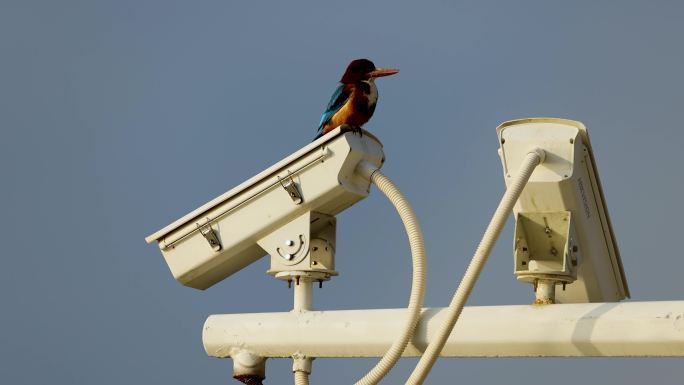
303	301
303	295
629	329
322	178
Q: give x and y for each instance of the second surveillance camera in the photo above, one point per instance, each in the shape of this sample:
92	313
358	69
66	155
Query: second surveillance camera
563	234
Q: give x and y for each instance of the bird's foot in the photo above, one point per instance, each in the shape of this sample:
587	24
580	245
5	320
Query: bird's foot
352	128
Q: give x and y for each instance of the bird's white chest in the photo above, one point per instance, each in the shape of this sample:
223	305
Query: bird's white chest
372	94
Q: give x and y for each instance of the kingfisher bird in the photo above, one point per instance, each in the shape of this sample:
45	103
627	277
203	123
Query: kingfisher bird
354	100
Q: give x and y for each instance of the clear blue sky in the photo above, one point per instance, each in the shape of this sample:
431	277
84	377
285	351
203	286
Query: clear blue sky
118	117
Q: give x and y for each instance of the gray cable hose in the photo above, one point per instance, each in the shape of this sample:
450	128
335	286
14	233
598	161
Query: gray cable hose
510	197
301	378
417	244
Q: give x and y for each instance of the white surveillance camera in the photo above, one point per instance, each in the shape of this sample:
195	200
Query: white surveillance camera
563	233
224	235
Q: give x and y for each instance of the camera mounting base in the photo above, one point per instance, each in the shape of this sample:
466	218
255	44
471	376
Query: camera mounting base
303	248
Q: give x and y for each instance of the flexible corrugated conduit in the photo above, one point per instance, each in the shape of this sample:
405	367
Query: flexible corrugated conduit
417	244
510	197
301	378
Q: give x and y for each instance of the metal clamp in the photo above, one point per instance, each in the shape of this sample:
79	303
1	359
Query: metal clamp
210	235
291	187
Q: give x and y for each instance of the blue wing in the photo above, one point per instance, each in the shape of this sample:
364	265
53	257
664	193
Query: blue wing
339	97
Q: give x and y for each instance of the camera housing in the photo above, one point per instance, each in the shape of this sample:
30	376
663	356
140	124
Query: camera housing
563	233
223	236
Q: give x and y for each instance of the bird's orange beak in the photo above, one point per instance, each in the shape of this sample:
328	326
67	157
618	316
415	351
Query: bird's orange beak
379	72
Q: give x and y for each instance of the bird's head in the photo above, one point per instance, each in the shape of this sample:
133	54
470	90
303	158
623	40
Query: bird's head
364	69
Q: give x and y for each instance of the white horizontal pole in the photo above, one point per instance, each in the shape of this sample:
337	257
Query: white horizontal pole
629	329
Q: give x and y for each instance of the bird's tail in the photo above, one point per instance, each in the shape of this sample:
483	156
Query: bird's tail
321	132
